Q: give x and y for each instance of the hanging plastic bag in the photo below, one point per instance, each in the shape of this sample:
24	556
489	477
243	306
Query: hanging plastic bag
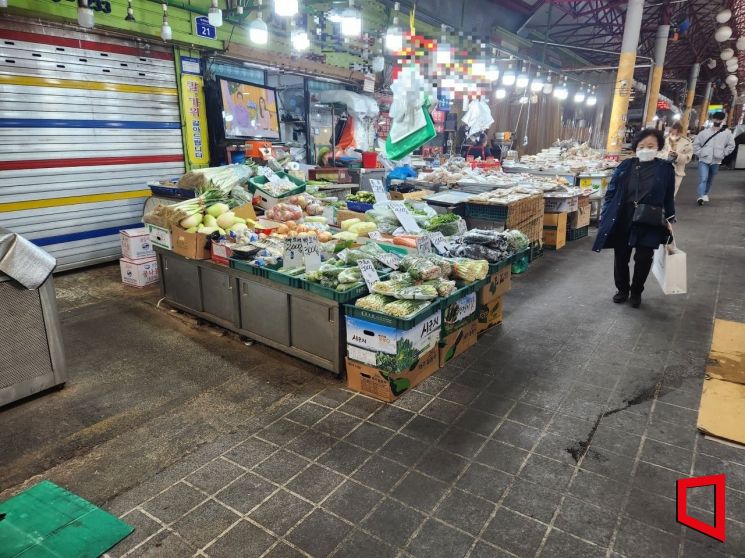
478	117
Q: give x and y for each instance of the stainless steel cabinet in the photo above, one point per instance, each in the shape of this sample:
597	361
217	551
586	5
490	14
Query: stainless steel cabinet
315	327
265	311
180	280
218	290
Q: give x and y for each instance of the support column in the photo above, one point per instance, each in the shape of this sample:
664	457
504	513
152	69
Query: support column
705	105
689	98
625	75
660	49
731	115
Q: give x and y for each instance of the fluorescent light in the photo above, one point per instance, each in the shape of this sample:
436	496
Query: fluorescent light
500	93
521	82
492	73
286	8
478	68
579	96
537	84
214	15
351	22
394	39
548	88
300	40
592	100
561	93
258	32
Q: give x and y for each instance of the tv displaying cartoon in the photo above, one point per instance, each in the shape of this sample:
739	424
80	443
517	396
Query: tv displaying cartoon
249	111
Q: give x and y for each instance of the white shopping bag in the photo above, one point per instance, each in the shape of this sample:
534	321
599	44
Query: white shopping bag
669	267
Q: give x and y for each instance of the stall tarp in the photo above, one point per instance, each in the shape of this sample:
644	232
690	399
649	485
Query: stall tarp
23	261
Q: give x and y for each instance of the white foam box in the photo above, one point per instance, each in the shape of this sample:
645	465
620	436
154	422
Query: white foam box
139	273
378	345
136	244
160	236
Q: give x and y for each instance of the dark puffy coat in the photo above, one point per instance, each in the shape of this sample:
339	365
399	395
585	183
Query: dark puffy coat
662	195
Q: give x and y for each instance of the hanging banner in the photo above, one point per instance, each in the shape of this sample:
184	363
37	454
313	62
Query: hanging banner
195	116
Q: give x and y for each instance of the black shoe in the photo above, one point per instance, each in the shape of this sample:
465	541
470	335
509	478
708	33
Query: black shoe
700	201
636	300
620	297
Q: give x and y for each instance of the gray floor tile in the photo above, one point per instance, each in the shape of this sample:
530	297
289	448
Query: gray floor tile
656	480
617	441
546	472
485	482
369	436
215	475
352	501
502	456
281	432
477	421
336	424
174	502
143	528
444	411
332	397
599	490
203	524
533	500
282	550
413	401
515	533
393	522
436	540
458	393
465	511
391	417
315	483
311	444
403	449
245	493
308	414
563	544
653	510
637	540
361	406
557	446
462	442
164	545
493	404
517	434
361	545
484	550
251	452
281	466
419	492
424	429
379	473
243	539
611	465
280	512
587	521
344	458
319	533
668	456
442	465
530	415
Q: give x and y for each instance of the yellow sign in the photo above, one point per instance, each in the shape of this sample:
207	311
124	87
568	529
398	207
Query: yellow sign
195	116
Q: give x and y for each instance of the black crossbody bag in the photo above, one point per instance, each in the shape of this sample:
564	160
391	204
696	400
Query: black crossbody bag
646	214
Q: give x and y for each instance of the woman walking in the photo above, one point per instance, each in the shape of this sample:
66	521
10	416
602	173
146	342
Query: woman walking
679	151
638	209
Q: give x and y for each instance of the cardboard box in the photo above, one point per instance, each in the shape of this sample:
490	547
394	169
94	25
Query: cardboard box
555	230
580	218
379	384
561	205
160	236
139	273
221	253
499	284
415	195
489	314
458	342
136	244
389	348
195	246
344	214
458	313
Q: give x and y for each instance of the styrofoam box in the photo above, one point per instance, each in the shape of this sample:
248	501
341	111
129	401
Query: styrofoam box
139	273
136	244
160	237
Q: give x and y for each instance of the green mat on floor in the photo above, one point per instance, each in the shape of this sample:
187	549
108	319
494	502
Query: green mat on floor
47	521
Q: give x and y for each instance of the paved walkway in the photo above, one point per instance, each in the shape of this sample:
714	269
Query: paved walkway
562	433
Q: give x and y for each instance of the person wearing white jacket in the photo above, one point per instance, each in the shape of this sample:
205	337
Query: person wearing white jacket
679	151
711	146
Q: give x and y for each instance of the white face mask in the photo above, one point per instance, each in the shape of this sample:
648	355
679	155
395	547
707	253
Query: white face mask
646	155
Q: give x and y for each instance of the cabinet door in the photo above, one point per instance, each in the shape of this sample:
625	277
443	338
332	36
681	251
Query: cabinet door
181	282
265	311
315	328
217	293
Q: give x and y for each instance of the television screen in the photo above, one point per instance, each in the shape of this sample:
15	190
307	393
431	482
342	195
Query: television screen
249	111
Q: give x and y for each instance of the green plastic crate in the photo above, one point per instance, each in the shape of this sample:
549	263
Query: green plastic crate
332	294
256	183
487	211
275	275
392	321
576	234
446	302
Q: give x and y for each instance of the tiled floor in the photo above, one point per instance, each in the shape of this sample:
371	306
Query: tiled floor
562	433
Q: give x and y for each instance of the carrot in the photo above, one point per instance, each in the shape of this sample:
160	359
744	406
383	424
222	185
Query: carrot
404	241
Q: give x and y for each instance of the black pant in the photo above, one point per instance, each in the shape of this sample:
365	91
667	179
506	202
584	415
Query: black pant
642	265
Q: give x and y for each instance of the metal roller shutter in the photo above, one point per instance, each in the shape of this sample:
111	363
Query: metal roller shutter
86	121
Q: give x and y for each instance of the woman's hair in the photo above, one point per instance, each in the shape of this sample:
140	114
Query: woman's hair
677	126
645	133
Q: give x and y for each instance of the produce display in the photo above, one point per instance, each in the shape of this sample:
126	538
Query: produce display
342	273
489	245
388	223
362	197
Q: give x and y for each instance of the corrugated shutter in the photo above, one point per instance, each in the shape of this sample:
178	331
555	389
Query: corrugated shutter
86	122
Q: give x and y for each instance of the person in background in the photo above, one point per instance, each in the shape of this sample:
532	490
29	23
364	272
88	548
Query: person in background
644	179
711	146
479	150
679	151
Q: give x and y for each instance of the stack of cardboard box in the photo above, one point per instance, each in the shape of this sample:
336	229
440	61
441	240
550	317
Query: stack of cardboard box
578	222
138	264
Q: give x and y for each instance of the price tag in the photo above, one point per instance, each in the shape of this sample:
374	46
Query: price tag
369	273
311	253
293	254
423	245
375	235
389	260
462	228
381	195
439	242
404	216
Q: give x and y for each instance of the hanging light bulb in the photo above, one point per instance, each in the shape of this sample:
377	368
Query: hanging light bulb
537	84
592	100
130	12
286	8
500	93
258	32
508	78
3	3
522	81
478	68
165	30
214	15
85	15
723	33
561	92
300	40
351	21
579	96
394	37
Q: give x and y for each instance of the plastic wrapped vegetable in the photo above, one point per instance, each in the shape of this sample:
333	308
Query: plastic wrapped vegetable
404	308
421	268
390	288
470	270
350	275
446	223
480	252
444	287
417	292
285	212
375	302
517	239
446	268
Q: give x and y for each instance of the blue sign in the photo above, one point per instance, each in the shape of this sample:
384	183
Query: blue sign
443	103
203	28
